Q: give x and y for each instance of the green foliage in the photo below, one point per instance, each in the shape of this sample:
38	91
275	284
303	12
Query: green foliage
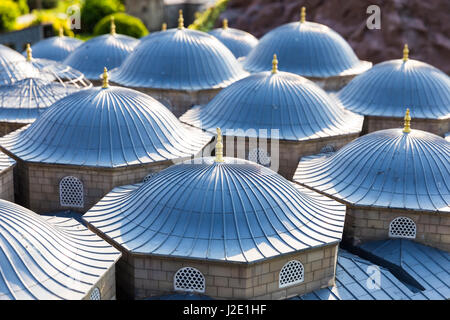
44	17
23	6
205	21
9	11
94	10
125	24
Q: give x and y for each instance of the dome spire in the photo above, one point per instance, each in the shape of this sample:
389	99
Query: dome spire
180	20
303	15
407	127
225	24
164	26
274	64
219	147
105	77
61	32
405	53
113	26
29	56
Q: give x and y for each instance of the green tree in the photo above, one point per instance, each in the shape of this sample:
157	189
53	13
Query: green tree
94	10
9	11
125	24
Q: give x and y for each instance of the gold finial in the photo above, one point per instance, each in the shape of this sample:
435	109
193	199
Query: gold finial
274	64
105	78
180	20
164	27
219	147
407	127
405	53
225	24
61	32
113	26
303	15
29	56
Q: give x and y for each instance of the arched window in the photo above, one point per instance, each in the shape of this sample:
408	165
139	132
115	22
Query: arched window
189	279
402	227
291	273
71	192
95	294
259	156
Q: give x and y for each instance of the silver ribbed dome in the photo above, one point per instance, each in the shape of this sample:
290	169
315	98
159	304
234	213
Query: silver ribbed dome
25	100
108	50
234	211
308	49
387	168
13	66
389	87
238	41
105	127
44	258
179	59
55	48
297	107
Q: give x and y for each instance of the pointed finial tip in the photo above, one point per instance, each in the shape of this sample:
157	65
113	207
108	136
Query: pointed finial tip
225	24
219	147
105	78
61	32
29	56
164	27
274	64
180	19
303	15
407	124
405	52
113	26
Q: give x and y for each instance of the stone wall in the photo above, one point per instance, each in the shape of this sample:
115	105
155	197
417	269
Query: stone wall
7	184
438	127
106	284
332	83
8	127
362	225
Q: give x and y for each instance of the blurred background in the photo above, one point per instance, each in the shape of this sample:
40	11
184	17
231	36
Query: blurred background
424	25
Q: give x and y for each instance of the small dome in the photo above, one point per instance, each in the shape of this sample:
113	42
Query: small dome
13	66
295	106
239	42
389	87
308	49
387	168
105	127
179	59
234	211
25	100
44	258
108	50
55	48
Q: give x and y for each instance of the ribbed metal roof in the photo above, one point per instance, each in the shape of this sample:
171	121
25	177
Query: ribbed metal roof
238	41
389	87
5	162
25	100
179	59
297	107
105	127
236	211
308	49
55	259
13	66
387	168
55	48
108	50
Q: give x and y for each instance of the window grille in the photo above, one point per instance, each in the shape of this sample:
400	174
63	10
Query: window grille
402	227
71	192
95	294
291	273
189	279
149	176
259	156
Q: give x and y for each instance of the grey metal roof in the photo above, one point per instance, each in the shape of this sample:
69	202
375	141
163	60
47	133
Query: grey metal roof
44	258
389	87
297	107
429	268
103	51
308	49
13	66
238	41
352	275
105	127
5	162
387	168
179	59
25	100
55	48
235	211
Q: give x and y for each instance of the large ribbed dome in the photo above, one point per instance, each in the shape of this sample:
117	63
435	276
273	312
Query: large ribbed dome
389	87
308	49
295	106
55	48
238	41
43	258
105	127
108	50
387	168
179	59
234	210
13	66
25	100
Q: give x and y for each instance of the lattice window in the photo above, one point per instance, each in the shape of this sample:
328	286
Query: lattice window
402	227
291	273
327	149
189	279
259	156
71	192
149	176
95	294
